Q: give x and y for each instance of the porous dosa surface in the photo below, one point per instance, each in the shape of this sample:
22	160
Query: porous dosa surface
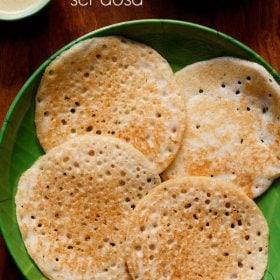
74	204
197	228
112	86
232	124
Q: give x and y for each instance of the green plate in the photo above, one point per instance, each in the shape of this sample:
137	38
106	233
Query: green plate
181	44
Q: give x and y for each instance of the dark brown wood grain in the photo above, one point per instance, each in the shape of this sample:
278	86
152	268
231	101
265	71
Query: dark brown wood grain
25	44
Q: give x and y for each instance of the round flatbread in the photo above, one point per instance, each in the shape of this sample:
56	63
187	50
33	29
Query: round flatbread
74	205
233	111
197	228
112	86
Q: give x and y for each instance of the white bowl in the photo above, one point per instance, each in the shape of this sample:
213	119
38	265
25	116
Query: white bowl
19	14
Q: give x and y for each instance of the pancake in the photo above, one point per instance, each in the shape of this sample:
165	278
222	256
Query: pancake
232	129
112	86
74	204
197	228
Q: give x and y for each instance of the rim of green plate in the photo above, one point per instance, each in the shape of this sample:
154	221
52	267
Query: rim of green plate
223	36
25	13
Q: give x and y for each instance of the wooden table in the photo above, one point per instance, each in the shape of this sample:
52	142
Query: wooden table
25	44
